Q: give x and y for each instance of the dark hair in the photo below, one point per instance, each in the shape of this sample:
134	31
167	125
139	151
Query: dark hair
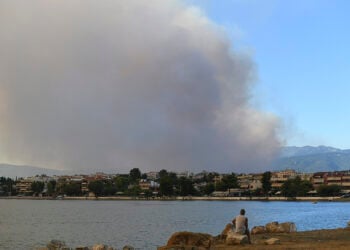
242	212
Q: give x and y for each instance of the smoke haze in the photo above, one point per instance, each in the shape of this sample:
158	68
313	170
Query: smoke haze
113	85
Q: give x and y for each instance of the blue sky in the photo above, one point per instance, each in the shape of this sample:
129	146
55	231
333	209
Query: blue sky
302	53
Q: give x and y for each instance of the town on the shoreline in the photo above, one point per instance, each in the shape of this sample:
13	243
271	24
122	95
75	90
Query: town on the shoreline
286	183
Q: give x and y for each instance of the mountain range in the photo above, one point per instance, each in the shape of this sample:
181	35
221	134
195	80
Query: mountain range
310	159
14	171
307	159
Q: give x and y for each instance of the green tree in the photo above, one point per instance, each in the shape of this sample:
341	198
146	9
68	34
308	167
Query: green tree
227	181
134	191
37	187
121	183
72	189
296	187
266	182
331	190
7	186
166	186
163	173
185	186
208	189
109	189
134	175
51	187
210	176
96	187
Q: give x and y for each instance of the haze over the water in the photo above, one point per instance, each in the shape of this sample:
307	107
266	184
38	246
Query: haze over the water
113	85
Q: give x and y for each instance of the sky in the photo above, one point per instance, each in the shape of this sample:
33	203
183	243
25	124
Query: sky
177	85
301	49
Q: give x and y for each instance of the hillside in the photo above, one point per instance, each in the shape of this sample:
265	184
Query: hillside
312	159
306	159
14	171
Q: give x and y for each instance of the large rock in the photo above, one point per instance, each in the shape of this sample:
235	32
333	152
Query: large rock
56	245
288	227
81	248
224	232
236	239
184	248
275	227
128	248
99	247
190	239
258	230
272	241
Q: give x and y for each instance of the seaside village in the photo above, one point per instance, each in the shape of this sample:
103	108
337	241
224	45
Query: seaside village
287	183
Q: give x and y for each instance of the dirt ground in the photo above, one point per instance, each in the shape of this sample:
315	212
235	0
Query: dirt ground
338	239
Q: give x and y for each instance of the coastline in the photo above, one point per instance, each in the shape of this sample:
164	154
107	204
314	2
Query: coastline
325	239
185	198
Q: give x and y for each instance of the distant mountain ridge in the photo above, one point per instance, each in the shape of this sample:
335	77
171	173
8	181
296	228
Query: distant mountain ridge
310	159
305	159
14	171
308	150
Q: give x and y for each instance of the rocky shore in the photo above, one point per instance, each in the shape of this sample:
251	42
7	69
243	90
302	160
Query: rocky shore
272	236
61	245
277	236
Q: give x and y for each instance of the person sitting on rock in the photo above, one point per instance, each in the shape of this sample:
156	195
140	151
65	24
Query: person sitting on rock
240	224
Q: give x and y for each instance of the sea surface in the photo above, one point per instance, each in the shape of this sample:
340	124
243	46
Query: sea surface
26	224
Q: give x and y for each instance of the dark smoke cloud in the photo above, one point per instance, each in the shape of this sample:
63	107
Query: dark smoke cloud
112	85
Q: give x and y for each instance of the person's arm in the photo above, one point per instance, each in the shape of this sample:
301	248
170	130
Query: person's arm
246	223
234	221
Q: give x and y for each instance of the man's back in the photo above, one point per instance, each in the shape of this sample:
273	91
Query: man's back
240	225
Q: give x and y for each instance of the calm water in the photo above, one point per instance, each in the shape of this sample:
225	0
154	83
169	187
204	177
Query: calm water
25	224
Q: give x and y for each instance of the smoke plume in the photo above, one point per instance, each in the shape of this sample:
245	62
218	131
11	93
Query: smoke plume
113	85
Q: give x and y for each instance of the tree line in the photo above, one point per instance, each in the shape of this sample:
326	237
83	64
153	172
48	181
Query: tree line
169	184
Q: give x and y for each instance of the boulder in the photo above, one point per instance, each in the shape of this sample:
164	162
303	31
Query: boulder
99	247
272	227
258	230
288	227
275	227
56	244
224	232
128	248
81	248
182	248
236	239
272	241
190	239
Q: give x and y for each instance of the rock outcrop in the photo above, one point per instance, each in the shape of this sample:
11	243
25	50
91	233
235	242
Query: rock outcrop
224	232
56	245
189	238
82	248
275	227
272	241
61	245
99	247
258	230
128	248
236	239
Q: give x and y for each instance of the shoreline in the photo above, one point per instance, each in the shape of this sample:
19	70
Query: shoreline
325	239
185	198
